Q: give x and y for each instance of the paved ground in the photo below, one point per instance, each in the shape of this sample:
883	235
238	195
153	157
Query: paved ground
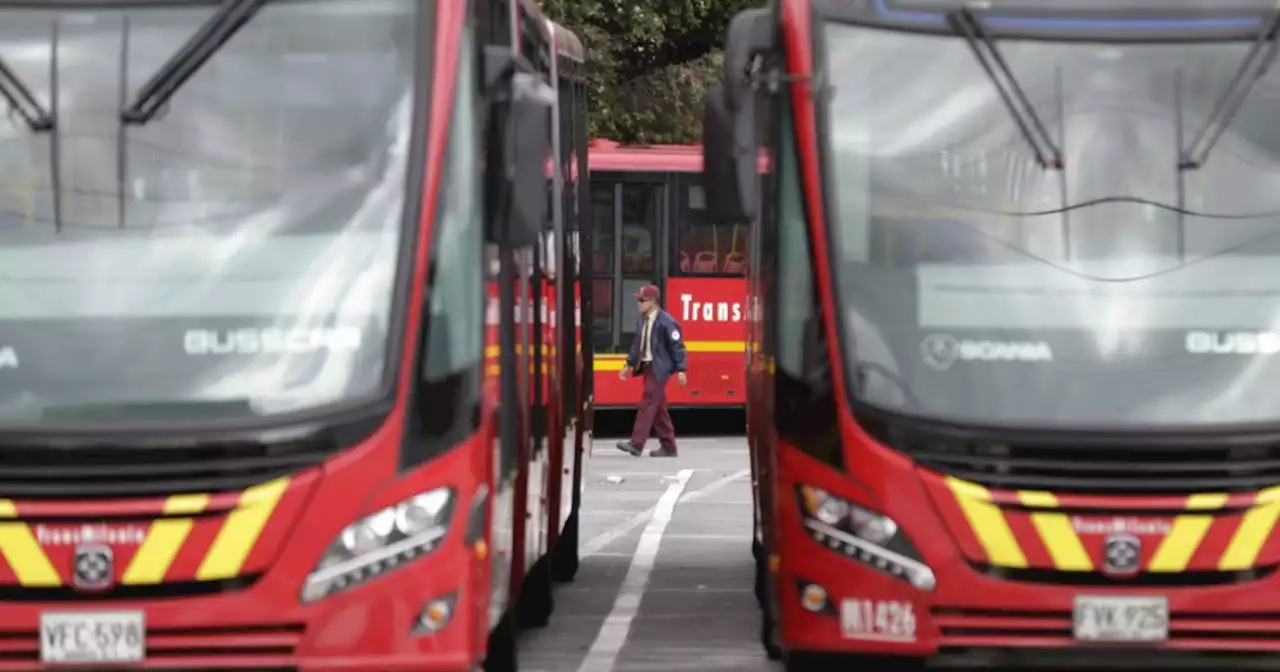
665	581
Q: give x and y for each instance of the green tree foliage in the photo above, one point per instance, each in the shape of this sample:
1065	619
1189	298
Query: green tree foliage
650	61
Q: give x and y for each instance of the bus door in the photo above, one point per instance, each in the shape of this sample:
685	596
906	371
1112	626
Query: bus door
630	220
706	292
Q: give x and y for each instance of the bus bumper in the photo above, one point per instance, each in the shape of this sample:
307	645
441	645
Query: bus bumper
377	625
970	619
830	598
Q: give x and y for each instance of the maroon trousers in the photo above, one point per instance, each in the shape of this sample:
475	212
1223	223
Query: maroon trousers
653	414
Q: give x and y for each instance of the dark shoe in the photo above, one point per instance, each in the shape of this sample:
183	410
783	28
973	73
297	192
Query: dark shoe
627	447
663	452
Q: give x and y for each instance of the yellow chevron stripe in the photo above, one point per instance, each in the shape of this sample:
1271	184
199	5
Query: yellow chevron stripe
988	523
1055	531
1267	497
241	530
1254	529
19	547
1175	551
164	540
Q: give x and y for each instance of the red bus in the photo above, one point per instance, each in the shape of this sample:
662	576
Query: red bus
1010	401
647	204
245	407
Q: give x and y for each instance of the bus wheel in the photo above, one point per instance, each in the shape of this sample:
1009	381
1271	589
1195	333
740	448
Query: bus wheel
564	559
768	627
501	654
757	549
808	661
804	661
536	601
762	574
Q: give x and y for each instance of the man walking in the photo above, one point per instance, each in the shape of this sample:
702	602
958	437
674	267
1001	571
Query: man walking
656	353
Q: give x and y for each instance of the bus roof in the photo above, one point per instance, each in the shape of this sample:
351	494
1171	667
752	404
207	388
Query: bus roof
612	156
609	155
567	44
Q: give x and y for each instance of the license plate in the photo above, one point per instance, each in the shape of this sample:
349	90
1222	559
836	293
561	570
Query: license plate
93	637
1121	619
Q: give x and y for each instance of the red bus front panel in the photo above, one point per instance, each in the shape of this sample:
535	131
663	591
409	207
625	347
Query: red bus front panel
999	569
245	565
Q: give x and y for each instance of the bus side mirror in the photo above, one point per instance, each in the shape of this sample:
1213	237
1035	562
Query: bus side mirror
519	128
730	150
721	182
529	140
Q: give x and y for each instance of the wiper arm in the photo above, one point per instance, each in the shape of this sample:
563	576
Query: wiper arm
22	101
231	16
967	25
147	410
1256	63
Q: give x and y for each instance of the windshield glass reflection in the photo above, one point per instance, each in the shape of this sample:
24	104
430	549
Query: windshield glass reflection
1117	291
233	256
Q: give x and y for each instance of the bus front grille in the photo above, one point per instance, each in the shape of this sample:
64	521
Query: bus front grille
1085	463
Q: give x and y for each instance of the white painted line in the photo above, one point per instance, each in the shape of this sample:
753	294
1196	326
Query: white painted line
632	474
744	537
600	541
715	486
617	625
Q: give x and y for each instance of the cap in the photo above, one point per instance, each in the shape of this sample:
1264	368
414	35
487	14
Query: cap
648	292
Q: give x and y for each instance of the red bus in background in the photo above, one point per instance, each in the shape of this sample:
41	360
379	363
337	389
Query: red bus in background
646	204
305	461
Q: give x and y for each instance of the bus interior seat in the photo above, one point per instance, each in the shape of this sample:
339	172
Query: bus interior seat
735	262
705	262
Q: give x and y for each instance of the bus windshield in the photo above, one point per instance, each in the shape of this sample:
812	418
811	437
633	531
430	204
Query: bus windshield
232	256
1125	287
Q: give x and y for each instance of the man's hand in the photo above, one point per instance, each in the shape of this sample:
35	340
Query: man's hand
622	374
684	380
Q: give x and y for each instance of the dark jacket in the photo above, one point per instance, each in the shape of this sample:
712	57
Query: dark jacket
666	342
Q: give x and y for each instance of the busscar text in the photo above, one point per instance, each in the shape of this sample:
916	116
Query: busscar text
197	342
1233	343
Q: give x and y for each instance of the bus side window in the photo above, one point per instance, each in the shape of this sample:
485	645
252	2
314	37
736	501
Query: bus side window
601	272
804	397
704	248
641	208
640	214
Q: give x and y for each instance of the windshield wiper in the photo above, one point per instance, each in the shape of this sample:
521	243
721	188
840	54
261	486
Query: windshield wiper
966	24
148	410
22	101
1256	63
231	16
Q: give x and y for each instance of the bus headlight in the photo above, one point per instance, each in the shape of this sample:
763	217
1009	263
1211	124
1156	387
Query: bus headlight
863	535
380	542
